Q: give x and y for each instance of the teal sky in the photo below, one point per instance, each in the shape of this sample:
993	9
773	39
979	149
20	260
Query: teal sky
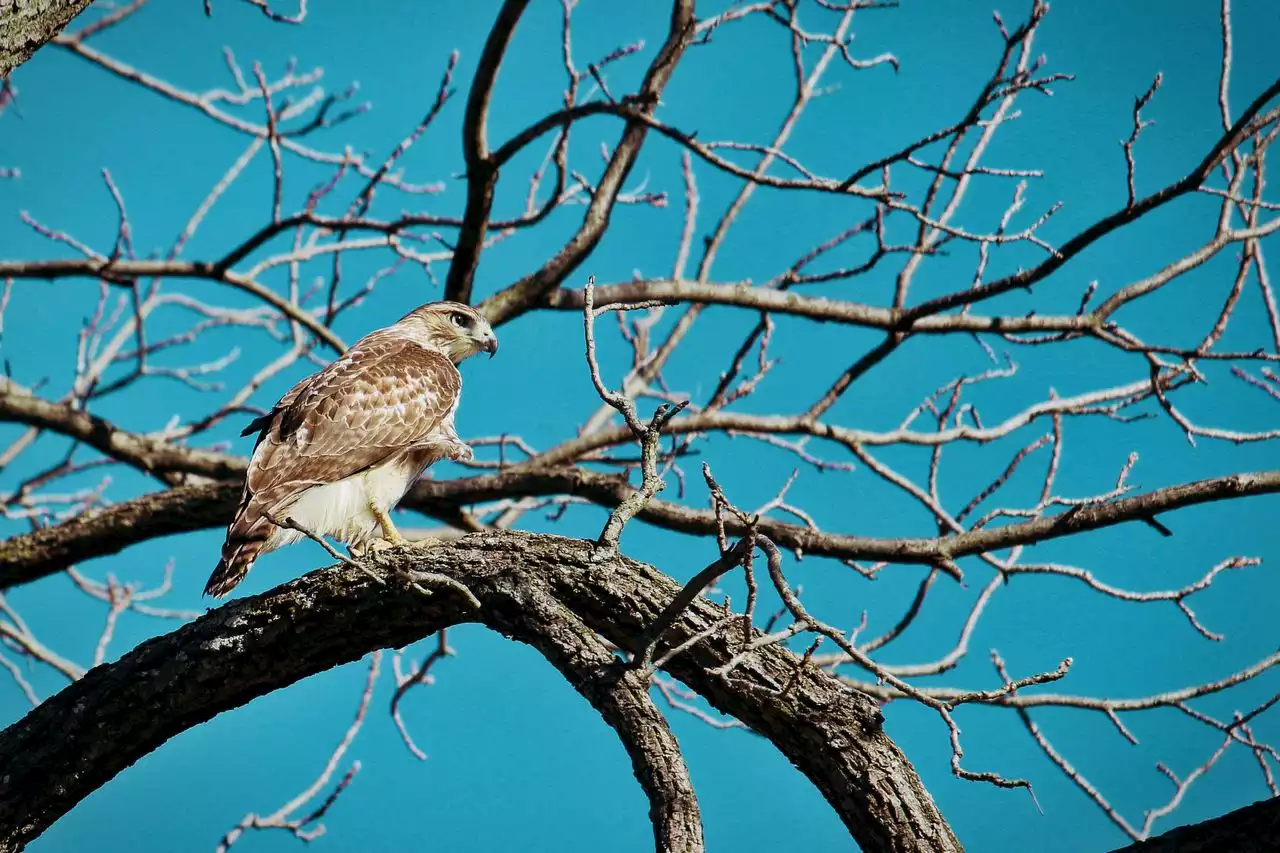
517	759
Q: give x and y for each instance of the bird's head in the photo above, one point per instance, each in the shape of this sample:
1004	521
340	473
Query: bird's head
457	330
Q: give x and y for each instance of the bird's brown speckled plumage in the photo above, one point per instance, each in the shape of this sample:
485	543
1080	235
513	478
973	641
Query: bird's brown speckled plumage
368	424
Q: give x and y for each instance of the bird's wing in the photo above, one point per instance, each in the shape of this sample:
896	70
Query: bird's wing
262	424
383	396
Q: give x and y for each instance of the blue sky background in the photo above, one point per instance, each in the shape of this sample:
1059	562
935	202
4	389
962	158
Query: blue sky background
516	758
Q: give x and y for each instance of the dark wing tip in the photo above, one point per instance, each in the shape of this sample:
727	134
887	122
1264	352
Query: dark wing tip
258	424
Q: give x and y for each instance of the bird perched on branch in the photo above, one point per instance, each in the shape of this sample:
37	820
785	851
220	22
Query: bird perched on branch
343	446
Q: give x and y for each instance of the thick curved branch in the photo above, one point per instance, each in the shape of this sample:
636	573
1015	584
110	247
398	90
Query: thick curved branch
622	697
26	26
1252	829
97	533
82	737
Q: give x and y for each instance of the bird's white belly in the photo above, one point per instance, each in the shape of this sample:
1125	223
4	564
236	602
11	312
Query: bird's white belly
342	509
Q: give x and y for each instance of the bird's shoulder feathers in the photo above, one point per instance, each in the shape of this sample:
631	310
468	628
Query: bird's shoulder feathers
385	394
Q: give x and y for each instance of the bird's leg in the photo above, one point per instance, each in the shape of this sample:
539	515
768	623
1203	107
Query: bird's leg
391	537
383	518
415	579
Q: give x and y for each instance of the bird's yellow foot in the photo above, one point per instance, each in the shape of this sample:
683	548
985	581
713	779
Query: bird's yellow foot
389	532
400	542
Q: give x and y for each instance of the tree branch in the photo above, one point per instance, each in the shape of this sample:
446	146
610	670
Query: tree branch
82	737
622	698
482	170
121	271
34	555
518	298
1252	829
1190	183
26	26
154	456
819	308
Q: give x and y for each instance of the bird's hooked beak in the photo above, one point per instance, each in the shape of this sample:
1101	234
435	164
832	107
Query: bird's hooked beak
488	342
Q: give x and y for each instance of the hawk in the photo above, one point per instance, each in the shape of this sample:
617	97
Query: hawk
342	447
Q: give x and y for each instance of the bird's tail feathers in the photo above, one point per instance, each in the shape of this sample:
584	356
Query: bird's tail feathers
246	539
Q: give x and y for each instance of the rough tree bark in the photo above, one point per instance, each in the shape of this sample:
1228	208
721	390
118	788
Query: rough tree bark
26	25
621	696
1252	829
544	590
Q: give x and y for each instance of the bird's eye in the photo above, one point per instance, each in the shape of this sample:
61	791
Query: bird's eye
459	320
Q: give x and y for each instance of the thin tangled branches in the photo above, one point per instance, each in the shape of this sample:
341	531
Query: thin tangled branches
990	457
308	827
